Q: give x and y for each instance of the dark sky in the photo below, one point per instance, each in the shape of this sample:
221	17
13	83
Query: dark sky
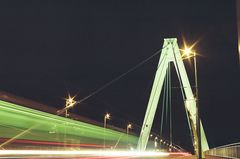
49	48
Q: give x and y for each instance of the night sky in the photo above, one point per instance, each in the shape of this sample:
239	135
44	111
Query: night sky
50	48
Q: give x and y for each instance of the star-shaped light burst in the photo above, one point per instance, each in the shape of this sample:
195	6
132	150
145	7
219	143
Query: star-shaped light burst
188	51
107	116
70	102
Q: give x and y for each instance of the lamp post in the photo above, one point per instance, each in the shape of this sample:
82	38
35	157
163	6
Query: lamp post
106	117
155	142
198	123
160	144
189	53
129	126
70	102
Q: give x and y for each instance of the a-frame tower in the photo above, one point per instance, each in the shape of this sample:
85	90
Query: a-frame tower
171	53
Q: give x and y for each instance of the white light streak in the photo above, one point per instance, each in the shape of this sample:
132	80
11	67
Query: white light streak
83	153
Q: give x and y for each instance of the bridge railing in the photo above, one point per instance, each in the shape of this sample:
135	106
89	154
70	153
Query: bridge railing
231	151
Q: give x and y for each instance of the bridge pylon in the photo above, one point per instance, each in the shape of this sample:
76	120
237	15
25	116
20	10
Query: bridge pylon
171	53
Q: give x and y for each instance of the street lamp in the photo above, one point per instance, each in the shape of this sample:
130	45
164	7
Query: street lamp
129	126
160	144
70	102
189	53
170	147
107	116
155	142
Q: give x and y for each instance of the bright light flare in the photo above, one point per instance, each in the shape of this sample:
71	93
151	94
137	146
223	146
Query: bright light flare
70	102
188	53
107	116
129	126
188	50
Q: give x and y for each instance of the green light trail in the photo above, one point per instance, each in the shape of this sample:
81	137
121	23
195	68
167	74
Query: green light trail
24	123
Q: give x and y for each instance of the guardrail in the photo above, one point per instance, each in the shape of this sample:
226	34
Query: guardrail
231	151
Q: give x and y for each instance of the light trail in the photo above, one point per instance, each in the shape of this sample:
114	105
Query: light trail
180	153
37	126
40	143
87	153
15	137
